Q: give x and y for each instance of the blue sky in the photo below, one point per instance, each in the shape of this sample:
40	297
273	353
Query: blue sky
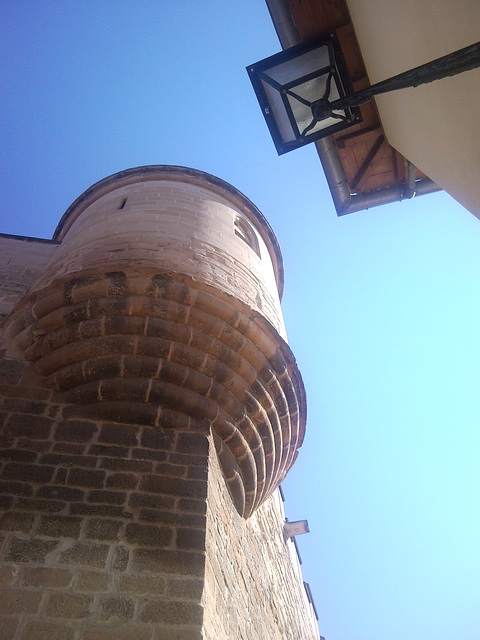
381	307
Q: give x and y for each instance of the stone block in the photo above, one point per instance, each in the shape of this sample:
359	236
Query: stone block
148	535
56	492
85	394
187	459
30	550
52	506
11	370
190	539
18	455
171	612
23	405
125	411
174	518
122	481
34	427
27	472
108	450
85	554
60	476
47	630
136	466
68	447
140	366
86	477
75	431
153	501
103	529
185	589
175	470
126	325
197	473
16	488
17	521
16	601
158	439
121	558
174	633
118	632
46	577
171	418
192	443
108	497
93	581
116	608
6	502
69	606
174	486
119	434
106	510
8	575
142	584
102	368
168	562
8	628
149	454
34	445
59	526
195	506
66	460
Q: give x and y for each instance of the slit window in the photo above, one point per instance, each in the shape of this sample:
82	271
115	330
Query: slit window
245	231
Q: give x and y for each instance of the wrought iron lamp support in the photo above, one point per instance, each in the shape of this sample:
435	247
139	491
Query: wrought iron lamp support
449	65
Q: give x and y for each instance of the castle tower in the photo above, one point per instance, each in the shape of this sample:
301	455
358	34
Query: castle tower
151	409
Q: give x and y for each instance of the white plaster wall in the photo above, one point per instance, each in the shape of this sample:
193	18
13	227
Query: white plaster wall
435	126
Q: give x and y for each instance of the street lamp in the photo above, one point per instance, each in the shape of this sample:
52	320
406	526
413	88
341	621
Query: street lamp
305	92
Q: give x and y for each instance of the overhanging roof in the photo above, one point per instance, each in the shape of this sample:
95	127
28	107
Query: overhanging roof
361	168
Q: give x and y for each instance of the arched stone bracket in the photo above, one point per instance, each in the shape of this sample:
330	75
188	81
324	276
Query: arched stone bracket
163	350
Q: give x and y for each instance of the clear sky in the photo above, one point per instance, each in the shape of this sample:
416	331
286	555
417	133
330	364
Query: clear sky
382	307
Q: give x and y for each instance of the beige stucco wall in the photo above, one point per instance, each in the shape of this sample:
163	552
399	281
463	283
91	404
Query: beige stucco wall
436	126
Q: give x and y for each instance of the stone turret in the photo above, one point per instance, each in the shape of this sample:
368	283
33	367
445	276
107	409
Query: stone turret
152	334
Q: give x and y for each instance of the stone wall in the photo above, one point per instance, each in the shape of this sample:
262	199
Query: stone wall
111	531
149	406
102	526
253	582
22	260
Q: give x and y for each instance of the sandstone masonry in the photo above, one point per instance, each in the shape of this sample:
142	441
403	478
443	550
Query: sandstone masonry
150	408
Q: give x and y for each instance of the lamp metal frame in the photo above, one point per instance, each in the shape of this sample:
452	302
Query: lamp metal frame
336	71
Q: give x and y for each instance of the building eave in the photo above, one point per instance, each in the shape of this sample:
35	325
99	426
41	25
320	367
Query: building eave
348	194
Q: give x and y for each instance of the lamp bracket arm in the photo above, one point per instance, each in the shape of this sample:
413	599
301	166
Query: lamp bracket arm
449	65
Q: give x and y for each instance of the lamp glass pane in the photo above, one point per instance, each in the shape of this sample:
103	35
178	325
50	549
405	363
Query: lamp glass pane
312	90
279	113
299	66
